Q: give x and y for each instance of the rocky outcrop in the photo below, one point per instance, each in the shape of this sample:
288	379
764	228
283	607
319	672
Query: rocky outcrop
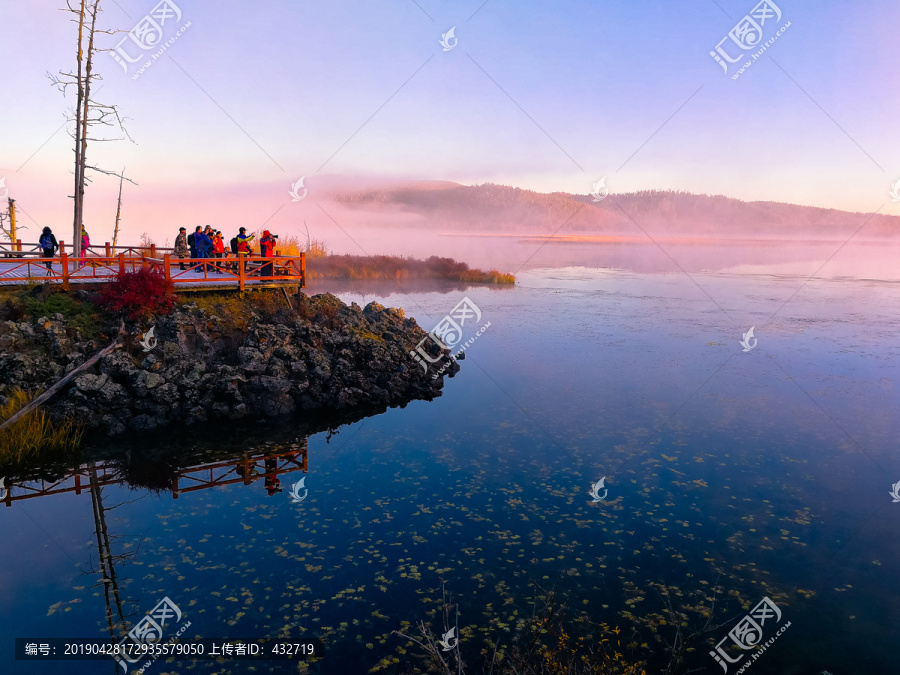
207	368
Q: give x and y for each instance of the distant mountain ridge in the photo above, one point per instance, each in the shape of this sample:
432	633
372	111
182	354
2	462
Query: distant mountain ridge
500	208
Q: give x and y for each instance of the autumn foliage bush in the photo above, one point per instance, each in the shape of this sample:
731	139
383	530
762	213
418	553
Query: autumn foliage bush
138	295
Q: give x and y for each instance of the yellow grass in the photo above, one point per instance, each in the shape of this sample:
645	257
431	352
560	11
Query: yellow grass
292	245
34	436
289	245
317	249
235	310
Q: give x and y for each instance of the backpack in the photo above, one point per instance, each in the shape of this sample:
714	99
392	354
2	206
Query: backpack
190	240
46	242
234	245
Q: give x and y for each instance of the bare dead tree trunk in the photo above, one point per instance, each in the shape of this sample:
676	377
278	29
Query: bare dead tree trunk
87	112
8	221
118	209
79	134
89	66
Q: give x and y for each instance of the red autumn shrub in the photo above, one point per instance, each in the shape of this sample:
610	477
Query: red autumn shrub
138	295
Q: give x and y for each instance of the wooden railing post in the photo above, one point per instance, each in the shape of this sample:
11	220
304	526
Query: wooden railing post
241	264
62	246
108	250
167	271
303	268
65	269
121	263
152	250
246	466
18	245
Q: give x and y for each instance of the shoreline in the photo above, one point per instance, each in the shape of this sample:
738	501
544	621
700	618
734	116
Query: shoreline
222	359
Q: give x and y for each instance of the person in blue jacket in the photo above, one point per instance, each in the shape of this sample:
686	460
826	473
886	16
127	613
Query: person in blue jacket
204	245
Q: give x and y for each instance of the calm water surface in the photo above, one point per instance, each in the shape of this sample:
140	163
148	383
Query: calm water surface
760	473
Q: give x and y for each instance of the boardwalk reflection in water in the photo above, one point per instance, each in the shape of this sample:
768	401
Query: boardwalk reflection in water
154	474
158	475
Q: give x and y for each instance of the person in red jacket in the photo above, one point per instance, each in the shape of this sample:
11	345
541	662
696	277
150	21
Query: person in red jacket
267	250
219	248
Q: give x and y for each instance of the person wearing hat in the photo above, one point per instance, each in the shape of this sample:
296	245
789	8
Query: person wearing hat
192	242
267	250
205	248
219	249
233	248
48	245
243	242
181	245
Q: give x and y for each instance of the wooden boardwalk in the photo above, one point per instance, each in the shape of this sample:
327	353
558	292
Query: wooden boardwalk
22	264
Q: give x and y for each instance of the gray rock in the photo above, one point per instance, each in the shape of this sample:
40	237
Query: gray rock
144	422
269	396
88	383
112	425
113	395
197	415
153	380
166	393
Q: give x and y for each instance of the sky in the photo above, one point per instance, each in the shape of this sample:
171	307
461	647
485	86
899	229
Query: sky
250	97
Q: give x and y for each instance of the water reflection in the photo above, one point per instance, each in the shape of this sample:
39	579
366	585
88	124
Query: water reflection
747	491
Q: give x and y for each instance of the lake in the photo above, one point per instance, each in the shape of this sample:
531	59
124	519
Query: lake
729	473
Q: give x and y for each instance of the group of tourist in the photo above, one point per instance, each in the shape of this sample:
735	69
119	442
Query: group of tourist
201	243
209	243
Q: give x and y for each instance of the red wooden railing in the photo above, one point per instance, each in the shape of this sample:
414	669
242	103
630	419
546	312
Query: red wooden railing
18	249
241	269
